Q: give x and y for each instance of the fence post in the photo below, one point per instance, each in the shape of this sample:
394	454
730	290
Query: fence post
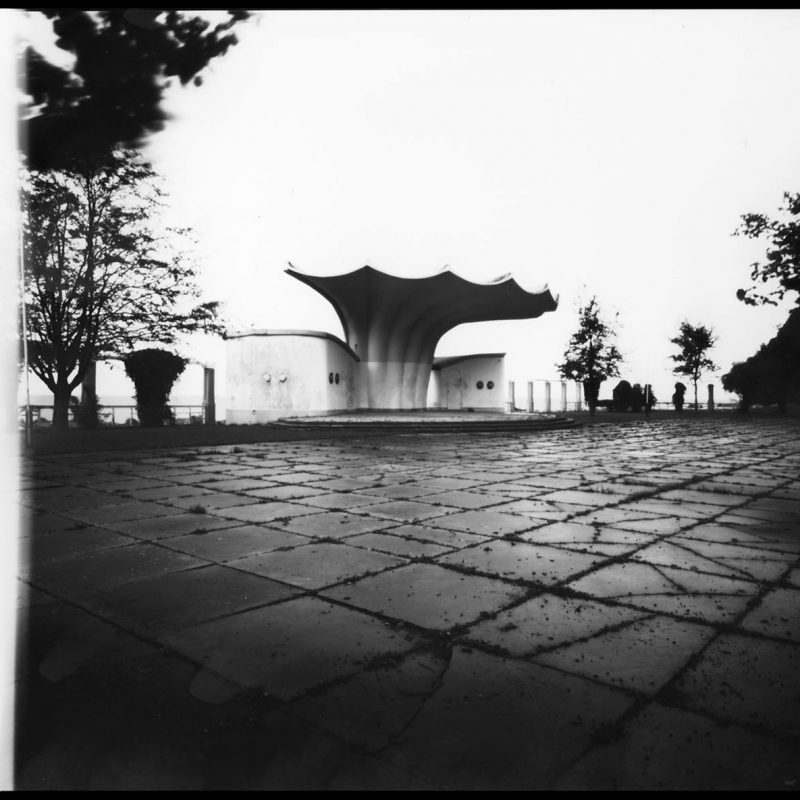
530	397
209	404
578	396
511	402
547	397
563	396
710	397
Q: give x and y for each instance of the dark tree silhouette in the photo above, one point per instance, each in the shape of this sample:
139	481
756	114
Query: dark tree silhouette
111	97
591	357
99	276
782	265
691	359
772	375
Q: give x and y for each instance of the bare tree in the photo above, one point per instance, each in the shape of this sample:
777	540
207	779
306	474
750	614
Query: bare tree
101	275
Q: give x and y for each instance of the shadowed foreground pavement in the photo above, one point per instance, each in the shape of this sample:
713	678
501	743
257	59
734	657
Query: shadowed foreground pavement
610	607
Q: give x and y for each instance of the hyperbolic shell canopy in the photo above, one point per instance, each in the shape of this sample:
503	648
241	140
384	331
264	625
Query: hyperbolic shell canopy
388	318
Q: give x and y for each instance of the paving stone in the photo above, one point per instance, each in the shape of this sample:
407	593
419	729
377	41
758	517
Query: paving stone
263	512
236	484
80	574
43	522
656	525
343	484
406	510
777	615
623	579
396	491
747	535
452	540
371	709
427	595
709	608
210	500
671	508
313	566
641	656
444	484
291	647
64	544
397	545
167	492
664	748
334	524
285	492
467	735
227	544
548	621
172	525
64	499
744	680
120	511
338	501
689	495
539	509
163	603
535	563
581	498
466	499
667	554
484	522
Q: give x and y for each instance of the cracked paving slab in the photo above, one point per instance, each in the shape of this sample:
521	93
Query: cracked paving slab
312	566
744	680
609	607
495	723
291	647
642	655
548	621
427	595
537	564
664	748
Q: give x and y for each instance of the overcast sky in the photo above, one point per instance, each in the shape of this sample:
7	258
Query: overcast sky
605	153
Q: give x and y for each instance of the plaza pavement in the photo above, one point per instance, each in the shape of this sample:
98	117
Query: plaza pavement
608	607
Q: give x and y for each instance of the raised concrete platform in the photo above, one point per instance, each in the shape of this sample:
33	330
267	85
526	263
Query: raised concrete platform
433	421
608	607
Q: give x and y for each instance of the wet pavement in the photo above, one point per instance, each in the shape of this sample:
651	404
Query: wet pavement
608	607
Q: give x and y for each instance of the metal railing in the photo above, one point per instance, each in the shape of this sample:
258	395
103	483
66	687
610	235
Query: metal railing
113	416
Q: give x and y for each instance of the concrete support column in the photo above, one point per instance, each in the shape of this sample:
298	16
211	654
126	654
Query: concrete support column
563	395
547	397
530	397
511	402
209	404
710	397
578	396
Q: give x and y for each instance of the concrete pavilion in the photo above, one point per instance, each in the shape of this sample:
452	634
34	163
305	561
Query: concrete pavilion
392	326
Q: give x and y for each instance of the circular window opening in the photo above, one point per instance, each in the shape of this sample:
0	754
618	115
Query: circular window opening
479	384
330	377
336	378
490	385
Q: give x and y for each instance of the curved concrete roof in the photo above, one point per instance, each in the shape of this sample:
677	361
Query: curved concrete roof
288	332
389	318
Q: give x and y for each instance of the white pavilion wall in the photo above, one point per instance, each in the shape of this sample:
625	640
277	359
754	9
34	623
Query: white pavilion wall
274	376
456	387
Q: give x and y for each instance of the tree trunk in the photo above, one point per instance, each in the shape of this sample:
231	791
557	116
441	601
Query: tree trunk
61	396
695	396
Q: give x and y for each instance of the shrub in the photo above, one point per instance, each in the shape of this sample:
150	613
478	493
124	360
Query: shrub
153	372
